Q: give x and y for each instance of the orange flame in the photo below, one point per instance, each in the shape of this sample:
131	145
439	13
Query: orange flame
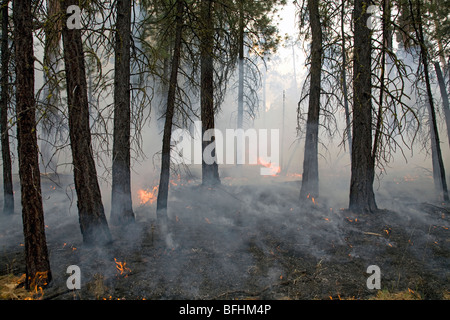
312	198
146	196
122	267
274	169
36	285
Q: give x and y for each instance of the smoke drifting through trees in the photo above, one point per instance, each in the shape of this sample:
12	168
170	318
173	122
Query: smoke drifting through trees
184	58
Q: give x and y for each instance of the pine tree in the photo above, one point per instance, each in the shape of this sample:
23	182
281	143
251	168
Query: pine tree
210	171
8	191
38	273
163	190
362	197
310	181
94	226
121	203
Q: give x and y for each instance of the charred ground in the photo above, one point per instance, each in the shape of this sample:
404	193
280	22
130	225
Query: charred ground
248	241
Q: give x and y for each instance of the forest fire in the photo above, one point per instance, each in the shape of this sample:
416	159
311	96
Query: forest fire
238	148
147	196
313	200
36	285
274	169
122	268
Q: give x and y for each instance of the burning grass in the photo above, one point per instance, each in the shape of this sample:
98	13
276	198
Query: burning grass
12	288
148	196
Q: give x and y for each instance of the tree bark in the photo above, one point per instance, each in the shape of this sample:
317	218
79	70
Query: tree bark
240	112
344	80
210	172
36	255
51	121
310	177
362	197
444	95
163	191
121	202
385	40
438	164
8	192
94	226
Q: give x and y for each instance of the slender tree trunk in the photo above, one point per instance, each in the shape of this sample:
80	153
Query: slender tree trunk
121	203
52	119
344	80
310	177
283	131
438	164
444	95
8	193
240	113
94	226
362	197
36	255
163	191
210	172
385	35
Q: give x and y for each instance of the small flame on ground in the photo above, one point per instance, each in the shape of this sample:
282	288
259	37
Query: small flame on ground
147	196
122	267
274	169
36	284
312	198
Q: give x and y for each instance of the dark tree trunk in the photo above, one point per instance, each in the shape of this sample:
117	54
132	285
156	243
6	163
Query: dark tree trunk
94	226
240	112
210	172
362	197
163	191
310	177
52	119
36	256
8	193
444	95
240	115
438	164
121	203
344	79
385	40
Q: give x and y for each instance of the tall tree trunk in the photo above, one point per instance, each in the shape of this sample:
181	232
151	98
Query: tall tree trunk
240	112
52	119
210	172
310	177
121	203
8	193
385	41
438	164
163	191
36	255
94	226
444	95
362	197
344	79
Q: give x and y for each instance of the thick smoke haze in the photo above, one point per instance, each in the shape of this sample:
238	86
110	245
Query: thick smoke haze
249	237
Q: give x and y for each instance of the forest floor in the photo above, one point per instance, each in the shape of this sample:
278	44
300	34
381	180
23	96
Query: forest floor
245	241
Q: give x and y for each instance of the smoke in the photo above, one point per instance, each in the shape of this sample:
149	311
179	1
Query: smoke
251	234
